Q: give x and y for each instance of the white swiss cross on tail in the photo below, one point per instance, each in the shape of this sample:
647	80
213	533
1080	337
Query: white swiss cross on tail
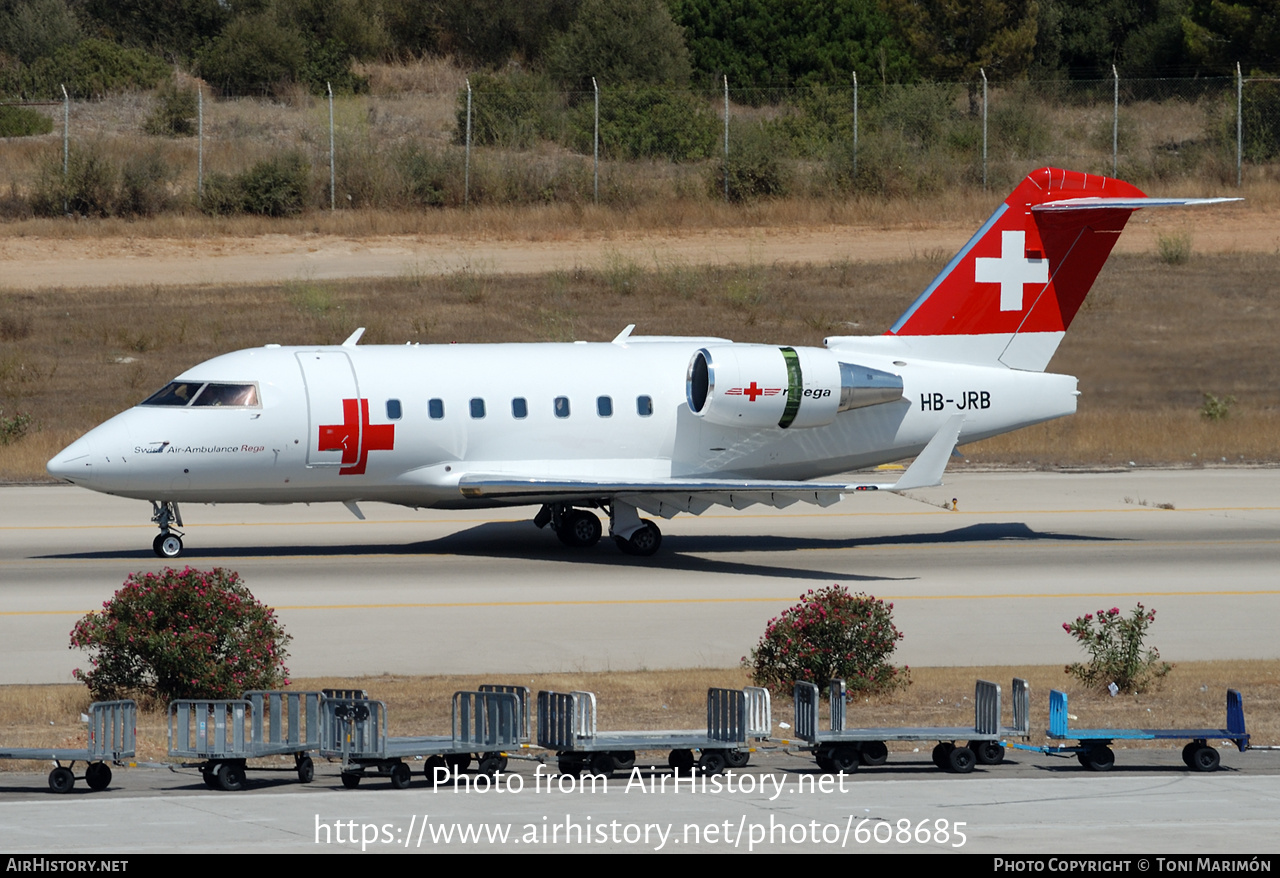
1011	270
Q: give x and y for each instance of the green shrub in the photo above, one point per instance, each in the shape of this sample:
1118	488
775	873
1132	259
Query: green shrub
14	428
95	68
1116	654
1174	248
755	167
830	634
509	109
1216	408
277	186
647	122
23	122
174	114
144	185
181	634
90	186
255	54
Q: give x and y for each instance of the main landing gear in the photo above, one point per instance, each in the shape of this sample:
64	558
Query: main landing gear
580	529
168	544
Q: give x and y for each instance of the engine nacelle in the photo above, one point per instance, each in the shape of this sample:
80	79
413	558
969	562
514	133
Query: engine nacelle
754	386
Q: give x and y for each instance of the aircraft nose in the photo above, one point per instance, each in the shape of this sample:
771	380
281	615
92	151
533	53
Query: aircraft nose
74	463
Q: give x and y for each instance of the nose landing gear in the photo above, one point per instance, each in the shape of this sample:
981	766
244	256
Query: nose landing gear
168	544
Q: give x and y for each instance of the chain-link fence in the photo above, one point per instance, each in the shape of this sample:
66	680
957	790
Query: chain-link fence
502	140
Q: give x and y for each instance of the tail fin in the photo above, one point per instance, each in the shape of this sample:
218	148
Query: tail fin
1011	292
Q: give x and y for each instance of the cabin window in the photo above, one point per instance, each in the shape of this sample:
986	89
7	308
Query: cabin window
519	408
562	407
393	410
644	406
477	408
435	409
240	395
604	406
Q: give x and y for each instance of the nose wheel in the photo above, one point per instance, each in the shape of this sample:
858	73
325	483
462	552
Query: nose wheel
168	544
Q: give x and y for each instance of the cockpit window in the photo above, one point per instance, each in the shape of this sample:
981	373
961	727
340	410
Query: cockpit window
195	393
227	395
174	393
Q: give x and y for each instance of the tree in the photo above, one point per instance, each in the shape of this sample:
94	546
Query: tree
951	41
181	634
620	42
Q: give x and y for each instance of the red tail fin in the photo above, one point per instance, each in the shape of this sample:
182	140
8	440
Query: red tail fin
1026	272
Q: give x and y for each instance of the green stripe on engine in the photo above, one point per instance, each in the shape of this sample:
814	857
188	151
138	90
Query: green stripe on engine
795	387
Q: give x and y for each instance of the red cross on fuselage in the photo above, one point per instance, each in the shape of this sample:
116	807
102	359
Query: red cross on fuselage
345	437
752	392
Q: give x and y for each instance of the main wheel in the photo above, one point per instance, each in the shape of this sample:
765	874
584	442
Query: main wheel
874	753
961	760
61	780
1205	758
167	545
844	758
230	776
624	760
681	760
350	781
942	754
579	529
306	770
644	542
711	762
1098	758
737	758
987	752
400	776
98	776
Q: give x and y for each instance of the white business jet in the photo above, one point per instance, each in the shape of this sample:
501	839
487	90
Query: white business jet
659	424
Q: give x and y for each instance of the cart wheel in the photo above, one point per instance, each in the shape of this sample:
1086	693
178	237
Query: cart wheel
61	780
351	781
681	760
1189	752
230	776
600	764
490	764
400	776
207	775
942	754
961	760
874	753
496	755
98	776
624	760
1205	759
824	761
306	770
987	752
569	765
458	761
432	763
711	762
1099	758
737	758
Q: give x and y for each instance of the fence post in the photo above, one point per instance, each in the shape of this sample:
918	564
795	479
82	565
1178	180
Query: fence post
726	139
466	174
1239	126
66	144
1115	122
199	142
984	128
595	144
855	124
333	205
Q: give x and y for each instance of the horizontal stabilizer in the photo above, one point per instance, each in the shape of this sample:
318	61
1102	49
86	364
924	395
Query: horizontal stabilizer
1125	203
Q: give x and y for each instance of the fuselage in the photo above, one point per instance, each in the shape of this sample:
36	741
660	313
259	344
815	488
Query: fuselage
402	424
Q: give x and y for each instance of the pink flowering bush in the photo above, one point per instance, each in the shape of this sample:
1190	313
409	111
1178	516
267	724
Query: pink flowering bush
828	635
181	634
1114	643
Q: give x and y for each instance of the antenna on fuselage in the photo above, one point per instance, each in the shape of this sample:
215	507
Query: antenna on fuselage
354	338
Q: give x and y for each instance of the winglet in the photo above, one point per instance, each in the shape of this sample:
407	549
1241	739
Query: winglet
354	338
624	335
926	470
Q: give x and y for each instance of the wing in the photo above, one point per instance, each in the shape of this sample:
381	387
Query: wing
667	497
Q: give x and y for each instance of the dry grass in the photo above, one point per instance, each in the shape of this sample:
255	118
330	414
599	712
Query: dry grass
1148	345
1193	695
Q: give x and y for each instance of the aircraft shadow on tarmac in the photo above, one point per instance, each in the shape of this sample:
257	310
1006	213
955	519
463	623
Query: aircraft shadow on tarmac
519	540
